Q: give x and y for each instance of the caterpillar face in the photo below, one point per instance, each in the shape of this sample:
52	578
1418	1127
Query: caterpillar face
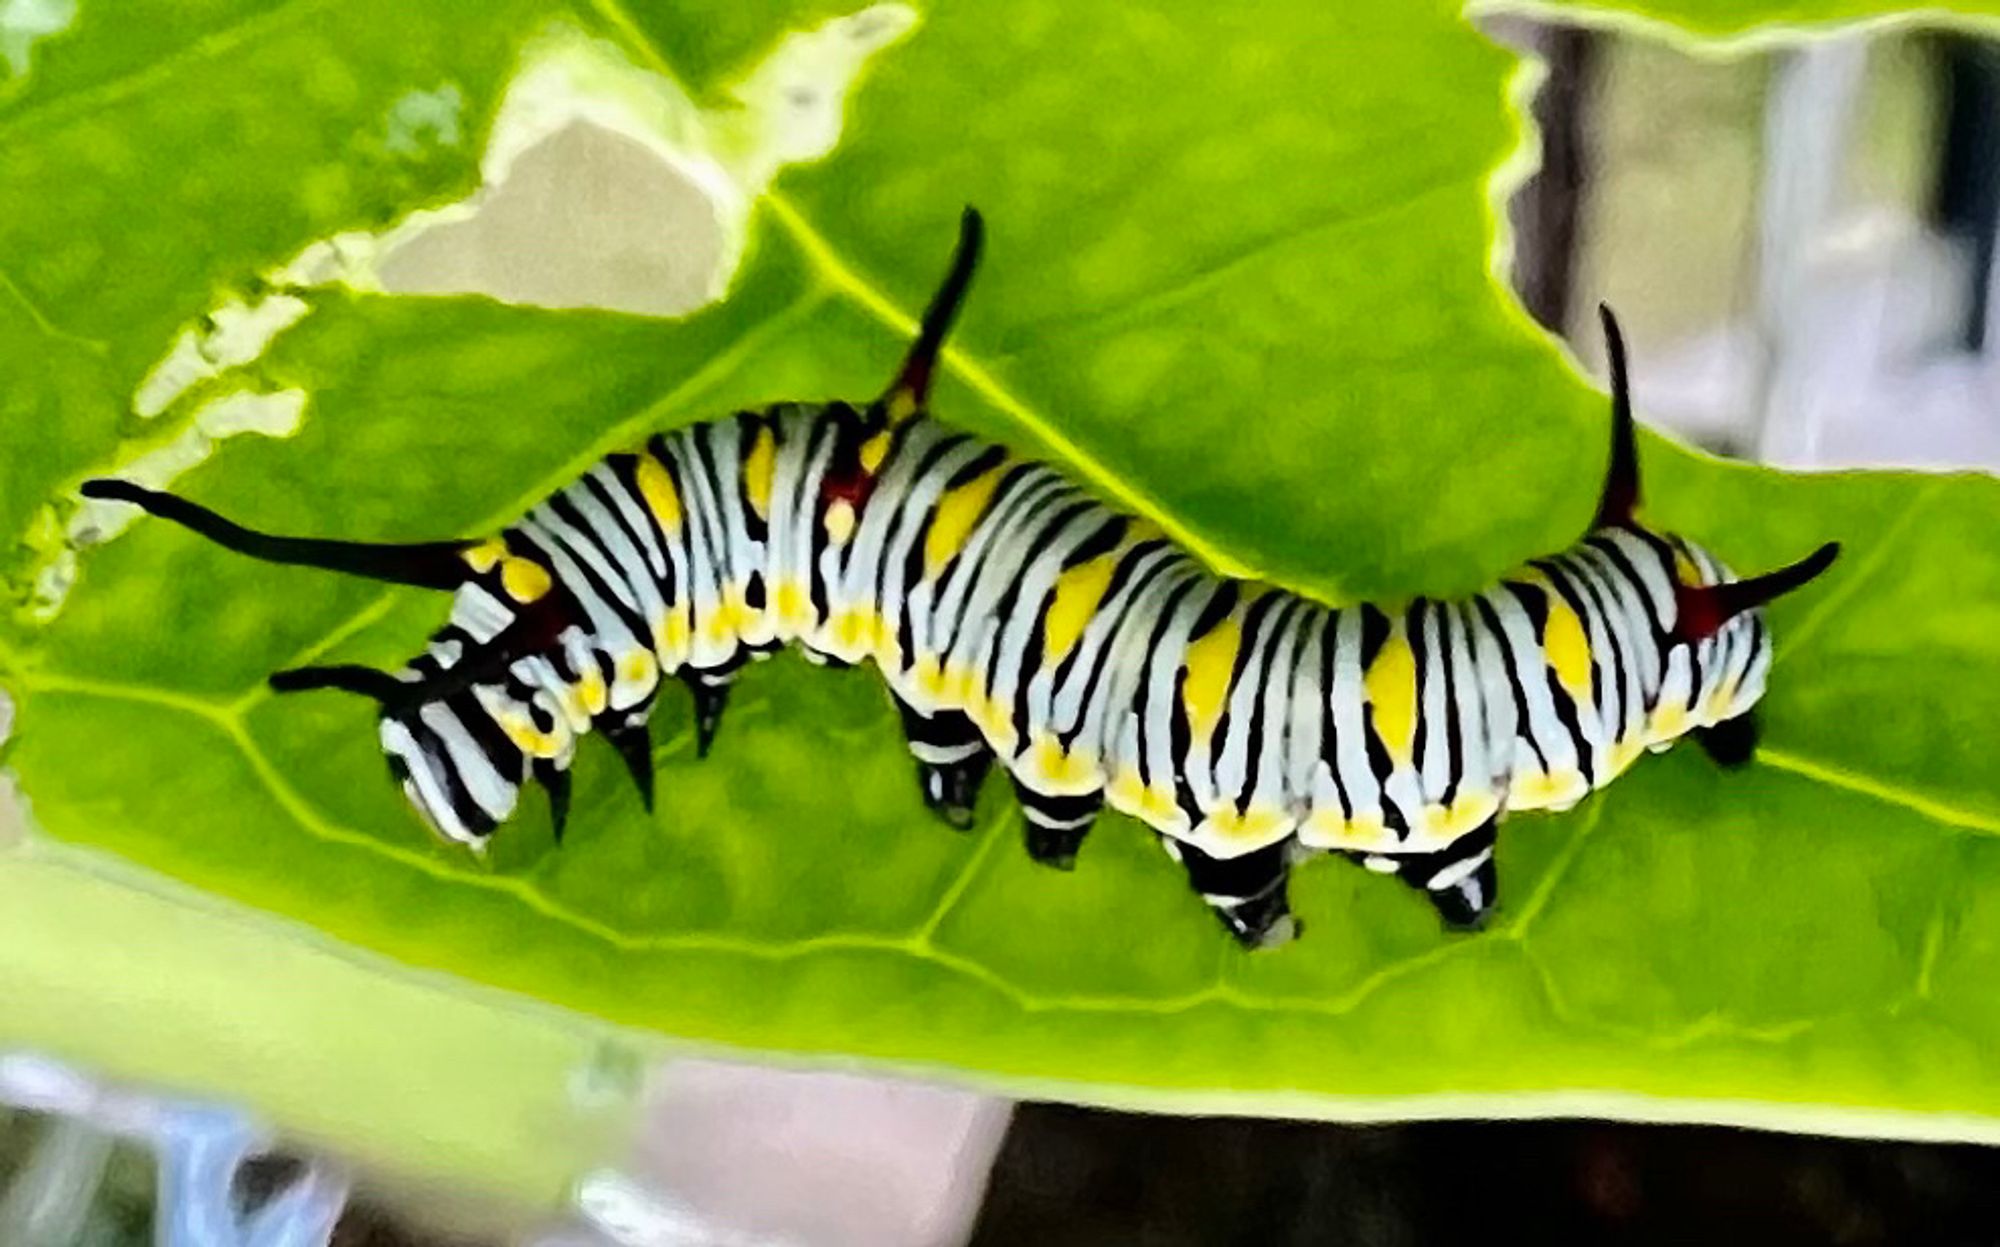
1728	668
1018	622
459	797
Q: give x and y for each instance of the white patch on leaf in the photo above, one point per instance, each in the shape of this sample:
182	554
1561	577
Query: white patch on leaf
25	23
93	521
425	119
235	334
794	103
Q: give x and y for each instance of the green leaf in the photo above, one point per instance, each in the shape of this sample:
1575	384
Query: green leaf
1239	280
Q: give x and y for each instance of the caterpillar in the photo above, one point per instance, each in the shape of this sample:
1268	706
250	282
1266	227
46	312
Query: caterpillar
1017	619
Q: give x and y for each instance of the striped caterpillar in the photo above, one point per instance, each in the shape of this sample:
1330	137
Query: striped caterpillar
1015	617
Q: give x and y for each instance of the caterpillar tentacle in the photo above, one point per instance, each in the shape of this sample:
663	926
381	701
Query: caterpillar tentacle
1018	621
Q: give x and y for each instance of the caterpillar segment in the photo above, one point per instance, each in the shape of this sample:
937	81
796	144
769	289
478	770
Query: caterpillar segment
1017	621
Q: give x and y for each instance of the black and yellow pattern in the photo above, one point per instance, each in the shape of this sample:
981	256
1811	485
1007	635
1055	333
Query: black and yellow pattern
1016	619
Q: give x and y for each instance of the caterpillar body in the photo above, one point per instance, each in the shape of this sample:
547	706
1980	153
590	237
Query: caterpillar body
1017	619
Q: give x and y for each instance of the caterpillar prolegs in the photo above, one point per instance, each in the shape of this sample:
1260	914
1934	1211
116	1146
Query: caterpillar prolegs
1017	620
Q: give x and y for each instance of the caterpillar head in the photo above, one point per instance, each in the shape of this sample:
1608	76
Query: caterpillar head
1718	648
420	759
462	788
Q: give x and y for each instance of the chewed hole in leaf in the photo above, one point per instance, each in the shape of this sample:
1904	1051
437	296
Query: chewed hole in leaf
603	185
587	218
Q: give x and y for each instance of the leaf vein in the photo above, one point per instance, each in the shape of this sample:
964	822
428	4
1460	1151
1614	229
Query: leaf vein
221	41
1855	579
1916	803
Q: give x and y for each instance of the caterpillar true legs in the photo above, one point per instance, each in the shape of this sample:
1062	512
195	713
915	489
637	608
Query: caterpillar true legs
1018	621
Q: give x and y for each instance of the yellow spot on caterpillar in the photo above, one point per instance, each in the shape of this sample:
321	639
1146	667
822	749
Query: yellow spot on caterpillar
1443	824
1623	754
575	710
1391	685
1684	567
1568	650
529	741
1328	829
957	514
638	667
715	628
732	616
524	579
852	631
1125	792
839	521
656	486
674	633
1063	772
791	601
1160	809
592	692
736	608
883	642
757	467
994	719
1535	790
902	405
964	683
1670	719
875	449
1078	592
929	677
1256	826
1209	663
1721	701
483	557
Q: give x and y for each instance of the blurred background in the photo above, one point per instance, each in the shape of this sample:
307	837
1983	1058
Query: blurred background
1800	241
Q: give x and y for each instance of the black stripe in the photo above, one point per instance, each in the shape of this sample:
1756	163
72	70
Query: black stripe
1416	623
824	441
1523	724
1329	736
748	425
1374	635
1176	748
633	614
1126	570
1615	685
1453	724
1617	609
438	755
577	613
1010	602
505	756
980	465
1217	610
1101	661
626	469
1534	601
1629	572
606	499
1259	705
899	521
1147	657
706	513
1020	489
